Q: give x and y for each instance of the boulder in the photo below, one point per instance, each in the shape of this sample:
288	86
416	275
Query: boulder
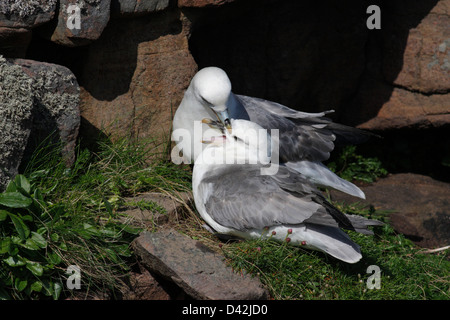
17	18
55	107
16	105
137	7
26	13
199	271
93	18
419	206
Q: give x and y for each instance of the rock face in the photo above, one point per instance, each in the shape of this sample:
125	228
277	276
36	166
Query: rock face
55	107
407	81
200	272
37	99
16	104
135	75
292	52
420	205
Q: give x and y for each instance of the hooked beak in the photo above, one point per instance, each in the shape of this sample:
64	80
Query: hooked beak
224	118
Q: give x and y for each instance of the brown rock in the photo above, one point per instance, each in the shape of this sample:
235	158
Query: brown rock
425	61
143	286
407	78
200	272
135	75
420	205
401	108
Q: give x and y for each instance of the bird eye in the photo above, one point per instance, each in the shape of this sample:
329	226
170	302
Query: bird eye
206	101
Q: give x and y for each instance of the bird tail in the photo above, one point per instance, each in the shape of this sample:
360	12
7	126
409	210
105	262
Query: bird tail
321	176
360	223
334	242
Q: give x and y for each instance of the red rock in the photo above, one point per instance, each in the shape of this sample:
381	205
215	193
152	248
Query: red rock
136	74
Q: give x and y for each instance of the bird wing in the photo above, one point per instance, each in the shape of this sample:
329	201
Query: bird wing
298	140
239	197
302	135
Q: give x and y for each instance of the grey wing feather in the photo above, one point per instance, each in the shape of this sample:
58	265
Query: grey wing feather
298	140
303	136
244	199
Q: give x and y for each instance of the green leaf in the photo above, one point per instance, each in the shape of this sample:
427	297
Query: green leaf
22	183
20	284
20	226
35	268
38	240
36	286
14	200
5	245
54	258
91	229
57	288
54	237
108	207
38	198
109	232
3	215
16	261
11	187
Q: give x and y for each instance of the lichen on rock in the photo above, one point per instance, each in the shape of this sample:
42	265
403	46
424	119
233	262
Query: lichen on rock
25	8
16	103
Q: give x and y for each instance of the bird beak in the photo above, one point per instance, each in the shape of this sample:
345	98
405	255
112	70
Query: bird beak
224	118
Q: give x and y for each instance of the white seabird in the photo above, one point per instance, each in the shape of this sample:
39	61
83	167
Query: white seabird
305	139
234	198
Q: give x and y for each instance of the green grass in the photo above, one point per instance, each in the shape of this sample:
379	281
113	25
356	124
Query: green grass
296	273
351	166
77	212
73	213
